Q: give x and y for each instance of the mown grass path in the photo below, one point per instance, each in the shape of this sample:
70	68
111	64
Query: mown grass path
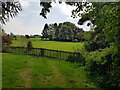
25	74
24	71
58	77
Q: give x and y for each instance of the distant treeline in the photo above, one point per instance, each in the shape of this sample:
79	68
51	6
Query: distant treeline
66	31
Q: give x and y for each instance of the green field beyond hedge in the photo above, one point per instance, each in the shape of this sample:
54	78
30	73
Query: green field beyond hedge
54	45
24	71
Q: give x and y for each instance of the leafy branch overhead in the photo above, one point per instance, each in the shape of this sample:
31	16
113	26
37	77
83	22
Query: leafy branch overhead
85	7
102	15
9	9
46	9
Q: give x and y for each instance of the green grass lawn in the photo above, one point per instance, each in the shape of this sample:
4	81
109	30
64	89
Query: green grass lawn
24	71
54	45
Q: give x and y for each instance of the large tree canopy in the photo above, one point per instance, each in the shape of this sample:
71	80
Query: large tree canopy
61	32
9	9
104	15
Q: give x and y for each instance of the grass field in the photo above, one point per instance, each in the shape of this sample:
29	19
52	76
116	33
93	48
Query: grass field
24	71
54	45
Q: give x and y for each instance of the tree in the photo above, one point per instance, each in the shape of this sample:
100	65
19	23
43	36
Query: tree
46	8
45	31
27	36
2	32
9	9
57	31
51	32
29	45
6	40
65	33
88	35
5	43
11	35
54	31
79	34
23	41
71	25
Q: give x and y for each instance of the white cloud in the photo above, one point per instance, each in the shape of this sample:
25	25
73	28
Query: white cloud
16	26
24	3
66	9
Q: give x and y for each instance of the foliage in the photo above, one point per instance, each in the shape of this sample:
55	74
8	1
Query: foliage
6	40
46	8
87	35
9	9
29	44
71	25
92	45
78	58
23	41
79	34
35	36
65	31
104	15
104	67
51	31
27	36
2	32
45	31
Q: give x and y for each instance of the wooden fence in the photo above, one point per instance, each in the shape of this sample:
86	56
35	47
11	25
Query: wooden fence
42	52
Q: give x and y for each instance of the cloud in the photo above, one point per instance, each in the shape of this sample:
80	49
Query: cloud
67	10
24	3
16	26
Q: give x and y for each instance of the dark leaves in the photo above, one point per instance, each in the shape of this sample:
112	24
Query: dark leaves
9	9
46	8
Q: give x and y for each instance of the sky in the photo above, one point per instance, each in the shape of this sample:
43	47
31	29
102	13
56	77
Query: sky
30	22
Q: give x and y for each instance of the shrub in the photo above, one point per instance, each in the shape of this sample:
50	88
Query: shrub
6	41
78	58
29	45
105	68
92	46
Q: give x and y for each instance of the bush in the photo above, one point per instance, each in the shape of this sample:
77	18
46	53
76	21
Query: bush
29	45
6	42
105	69
78	58
92	46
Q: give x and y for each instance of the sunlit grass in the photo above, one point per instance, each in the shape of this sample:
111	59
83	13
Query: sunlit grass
54	45
45	72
